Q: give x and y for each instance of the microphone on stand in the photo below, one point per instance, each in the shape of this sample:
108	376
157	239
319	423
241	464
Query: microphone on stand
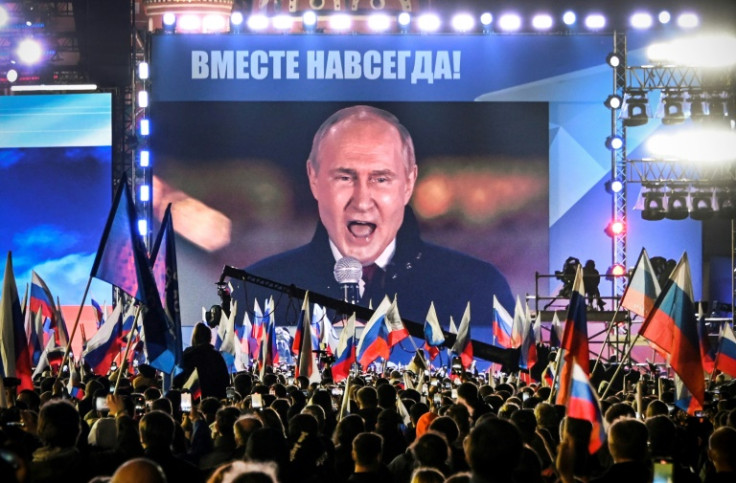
348	272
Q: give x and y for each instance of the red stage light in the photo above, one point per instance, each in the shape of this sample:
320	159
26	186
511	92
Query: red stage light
617	270
616	228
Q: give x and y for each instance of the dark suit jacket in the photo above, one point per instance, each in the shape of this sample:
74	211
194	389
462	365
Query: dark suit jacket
418	274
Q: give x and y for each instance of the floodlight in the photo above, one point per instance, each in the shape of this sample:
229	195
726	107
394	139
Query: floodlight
509	22
673	109
169	21
11	75
614	185
653	205
615	228
379	22
29	51
595	21
143	99
404	20
641	20
143	71
143	227
428	22
677	207
702	205
144	158
309	21
463	22
145	127
341	22
486	20
688	20
614	143
542	21
614	59
636	109
145	193
664	17
569	18
614	101
281	22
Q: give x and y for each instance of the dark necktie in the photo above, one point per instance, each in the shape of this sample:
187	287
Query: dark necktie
373	278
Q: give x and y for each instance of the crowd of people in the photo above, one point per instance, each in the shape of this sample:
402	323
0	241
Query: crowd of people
386	427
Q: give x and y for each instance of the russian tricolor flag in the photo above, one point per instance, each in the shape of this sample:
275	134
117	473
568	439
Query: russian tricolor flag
345	352
374	340
41	299
433	336
673	316
397	331
575	337
306	363
106	344
643	288
502	325
15	356
583	403
726	356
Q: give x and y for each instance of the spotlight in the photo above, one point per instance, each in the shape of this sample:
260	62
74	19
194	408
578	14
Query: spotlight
428	22
688	20
309	21
142	99
613	101
509	22
258	22
145	193
702	205
189	23
143	227
143	70
614	143
653	205
636	109
341	22
595	21
214	23
169	21
614	59
29	51
379	22
615	270
463	22
404	21
486	19
641	20
614	186
282	22
236	21
144	158
726	204
569	18
542	21
615	228
11	75
677	208
664	17
673	112
145	127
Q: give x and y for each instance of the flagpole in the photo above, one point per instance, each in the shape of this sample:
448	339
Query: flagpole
608	338
74	330
131	336
557	374
621	363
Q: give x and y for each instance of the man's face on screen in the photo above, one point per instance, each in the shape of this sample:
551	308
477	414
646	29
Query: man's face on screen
361	185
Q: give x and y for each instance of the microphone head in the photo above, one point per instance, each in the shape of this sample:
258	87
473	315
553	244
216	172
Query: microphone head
348	270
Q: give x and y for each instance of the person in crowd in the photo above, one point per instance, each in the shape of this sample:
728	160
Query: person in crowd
157	435
139	470
722	453
367	455
627	441
493	451
211	368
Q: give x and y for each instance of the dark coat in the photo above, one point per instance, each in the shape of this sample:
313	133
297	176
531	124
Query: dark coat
418	274
211	368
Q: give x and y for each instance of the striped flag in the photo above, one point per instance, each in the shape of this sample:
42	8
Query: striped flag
643	288
374	340
192	385
397	331
15	360
582	403
463	346
503	325
726	355
306	362
345	352
433	336
574	338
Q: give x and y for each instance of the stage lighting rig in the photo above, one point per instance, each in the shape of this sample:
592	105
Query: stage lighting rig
636	109
653	205
677	207
673	109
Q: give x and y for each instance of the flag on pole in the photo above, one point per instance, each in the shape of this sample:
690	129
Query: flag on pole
34	334
674	313
583	403
345	351
192	385
43	360
574	338
453	328
306	362
328	337
517	329
256	333
268	354
16	357
226	336
433	336
726	355
374	340
106	344
528	352
397	331
555	331
41	299
98	312
73	385
502	324
707	351
301	327
463	346
166	337
643	288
